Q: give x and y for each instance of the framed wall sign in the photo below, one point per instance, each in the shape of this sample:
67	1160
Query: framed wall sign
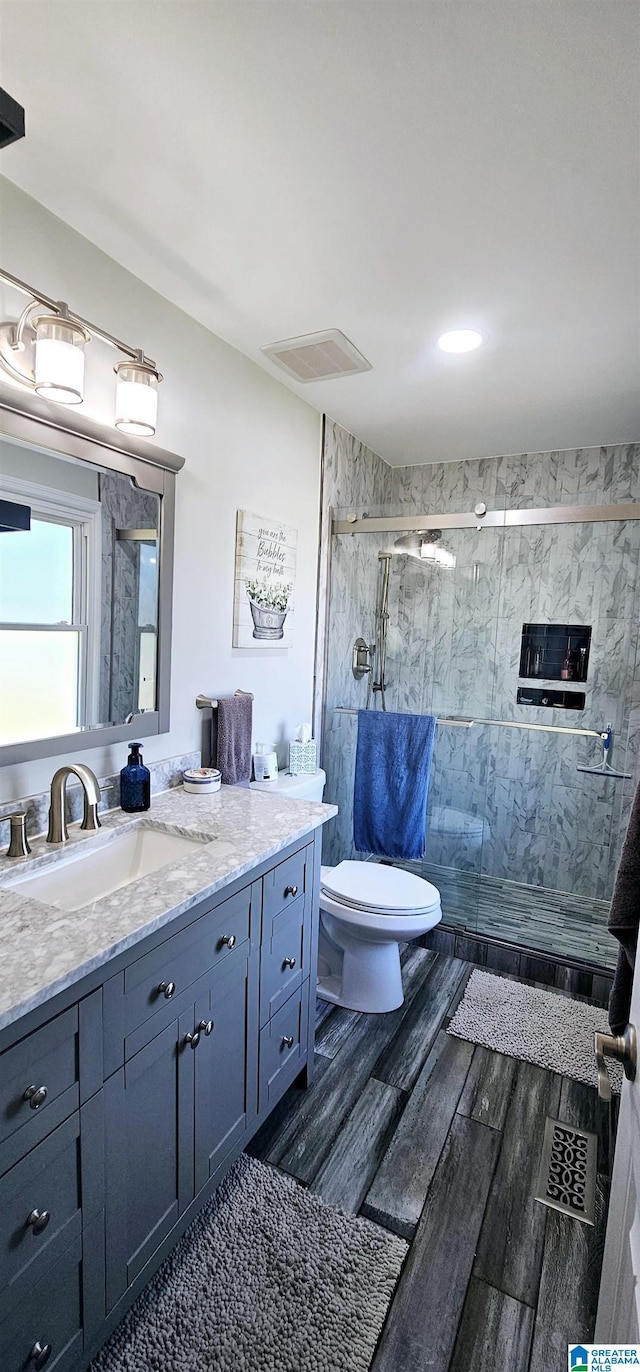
266	553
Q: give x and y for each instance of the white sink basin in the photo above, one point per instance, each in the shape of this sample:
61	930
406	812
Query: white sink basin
84	875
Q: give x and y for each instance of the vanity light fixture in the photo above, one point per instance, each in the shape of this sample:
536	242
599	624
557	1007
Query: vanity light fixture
59	360
137	397
51	347
460	341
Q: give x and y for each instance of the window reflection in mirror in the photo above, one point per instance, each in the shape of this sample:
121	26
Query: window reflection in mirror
78	596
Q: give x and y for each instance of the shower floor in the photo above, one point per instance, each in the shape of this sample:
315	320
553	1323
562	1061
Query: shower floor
552	921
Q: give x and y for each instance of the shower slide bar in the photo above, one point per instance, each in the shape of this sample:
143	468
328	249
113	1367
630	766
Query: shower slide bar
461	722
482	518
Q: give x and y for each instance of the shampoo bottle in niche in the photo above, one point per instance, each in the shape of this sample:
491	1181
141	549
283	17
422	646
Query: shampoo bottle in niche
135	781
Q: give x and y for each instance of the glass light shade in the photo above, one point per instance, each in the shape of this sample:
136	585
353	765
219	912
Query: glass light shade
136	399
59	363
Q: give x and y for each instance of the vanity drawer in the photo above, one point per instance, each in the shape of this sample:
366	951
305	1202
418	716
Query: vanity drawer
283	1043
182	959
282	885
285	942
39	1085
49	1316
39	1200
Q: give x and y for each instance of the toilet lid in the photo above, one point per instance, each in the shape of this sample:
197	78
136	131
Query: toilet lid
370	886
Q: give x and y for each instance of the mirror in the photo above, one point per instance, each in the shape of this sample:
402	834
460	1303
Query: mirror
78	595
86	549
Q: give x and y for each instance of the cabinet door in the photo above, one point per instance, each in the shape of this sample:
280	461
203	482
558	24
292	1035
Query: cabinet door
149	1151
225	1065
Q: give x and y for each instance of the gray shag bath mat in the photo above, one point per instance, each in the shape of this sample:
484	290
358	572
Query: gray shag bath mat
268	1278
539	1026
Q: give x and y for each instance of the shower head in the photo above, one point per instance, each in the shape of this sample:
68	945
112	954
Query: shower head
425	545
412	543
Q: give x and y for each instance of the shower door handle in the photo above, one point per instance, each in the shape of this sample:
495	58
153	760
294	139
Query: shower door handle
624	1048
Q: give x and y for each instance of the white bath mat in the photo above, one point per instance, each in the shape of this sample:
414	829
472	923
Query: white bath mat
538	1026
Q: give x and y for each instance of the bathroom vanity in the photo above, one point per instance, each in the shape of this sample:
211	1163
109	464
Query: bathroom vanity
144	1037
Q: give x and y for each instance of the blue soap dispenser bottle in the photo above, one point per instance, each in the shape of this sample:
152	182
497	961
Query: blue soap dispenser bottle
135	781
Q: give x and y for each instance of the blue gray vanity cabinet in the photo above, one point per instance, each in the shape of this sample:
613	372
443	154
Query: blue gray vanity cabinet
148	1077
174	1111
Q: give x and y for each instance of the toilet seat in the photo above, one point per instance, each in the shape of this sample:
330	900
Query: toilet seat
372	889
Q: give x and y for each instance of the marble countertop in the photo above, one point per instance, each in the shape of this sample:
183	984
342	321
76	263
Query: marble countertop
45	949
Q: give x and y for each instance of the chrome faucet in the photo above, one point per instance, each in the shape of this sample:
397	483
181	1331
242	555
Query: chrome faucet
58	831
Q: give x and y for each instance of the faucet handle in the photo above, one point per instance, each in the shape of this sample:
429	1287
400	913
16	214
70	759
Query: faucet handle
18	843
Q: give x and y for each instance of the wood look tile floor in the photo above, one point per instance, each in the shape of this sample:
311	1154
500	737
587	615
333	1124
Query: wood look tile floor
439	1140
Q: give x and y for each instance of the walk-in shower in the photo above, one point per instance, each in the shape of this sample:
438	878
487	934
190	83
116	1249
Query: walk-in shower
521	637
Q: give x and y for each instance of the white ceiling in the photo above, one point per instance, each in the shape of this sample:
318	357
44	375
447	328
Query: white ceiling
391	169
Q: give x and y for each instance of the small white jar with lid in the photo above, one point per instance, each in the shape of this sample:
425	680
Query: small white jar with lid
265	763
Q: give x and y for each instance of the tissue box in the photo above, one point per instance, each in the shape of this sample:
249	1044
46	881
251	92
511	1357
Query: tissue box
303	757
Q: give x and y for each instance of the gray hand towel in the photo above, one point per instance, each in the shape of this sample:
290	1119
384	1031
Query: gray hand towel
231	737
624	918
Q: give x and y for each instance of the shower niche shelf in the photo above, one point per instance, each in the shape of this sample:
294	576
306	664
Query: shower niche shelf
555	652
552	699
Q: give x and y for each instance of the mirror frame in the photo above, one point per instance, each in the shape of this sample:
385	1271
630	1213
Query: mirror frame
43	425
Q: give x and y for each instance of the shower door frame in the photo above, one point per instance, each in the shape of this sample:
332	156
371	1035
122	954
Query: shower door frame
477	519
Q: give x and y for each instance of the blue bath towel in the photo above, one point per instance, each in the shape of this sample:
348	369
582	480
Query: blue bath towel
393	760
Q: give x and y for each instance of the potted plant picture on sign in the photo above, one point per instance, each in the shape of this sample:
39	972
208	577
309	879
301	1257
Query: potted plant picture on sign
266	552
269	605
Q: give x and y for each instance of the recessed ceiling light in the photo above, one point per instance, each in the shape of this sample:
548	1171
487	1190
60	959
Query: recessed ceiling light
460	340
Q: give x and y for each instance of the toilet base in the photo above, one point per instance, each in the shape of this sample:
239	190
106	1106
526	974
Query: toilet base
357	973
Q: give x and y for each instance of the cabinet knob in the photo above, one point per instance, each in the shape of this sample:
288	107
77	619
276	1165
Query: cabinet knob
167	989
36	1096
289	962
193	1039
287	1041
229	940
40	1354
206	1027
38	1220
291	890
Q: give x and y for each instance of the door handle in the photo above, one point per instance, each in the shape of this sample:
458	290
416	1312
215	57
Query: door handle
624	1048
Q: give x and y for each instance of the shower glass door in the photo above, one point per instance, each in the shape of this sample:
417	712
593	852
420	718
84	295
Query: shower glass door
531	621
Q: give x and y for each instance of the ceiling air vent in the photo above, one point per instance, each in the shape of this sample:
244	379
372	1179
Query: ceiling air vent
317	356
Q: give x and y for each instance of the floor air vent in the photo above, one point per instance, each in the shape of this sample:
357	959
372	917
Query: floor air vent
317	356
567	1175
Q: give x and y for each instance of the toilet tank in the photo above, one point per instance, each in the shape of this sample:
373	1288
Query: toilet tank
304	786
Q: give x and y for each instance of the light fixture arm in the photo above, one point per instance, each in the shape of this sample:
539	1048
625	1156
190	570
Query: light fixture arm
60	307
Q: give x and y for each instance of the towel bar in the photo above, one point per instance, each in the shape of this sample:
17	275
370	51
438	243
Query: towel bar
463	723
211	702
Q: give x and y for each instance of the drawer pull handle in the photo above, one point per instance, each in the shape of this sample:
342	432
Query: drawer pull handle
206	1026
289	962
36	1096
229	940
167	989
287	1041
193	1039
291	890
40	1354
38	1220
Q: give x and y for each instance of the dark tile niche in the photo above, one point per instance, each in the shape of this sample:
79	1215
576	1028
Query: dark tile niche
555	652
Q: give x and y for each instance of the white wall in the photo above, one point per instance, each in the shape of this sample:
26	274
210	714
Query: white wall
248	443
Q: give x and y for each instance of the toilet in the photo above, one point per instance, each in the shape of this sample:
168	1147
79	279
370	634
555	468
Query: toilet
366	911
